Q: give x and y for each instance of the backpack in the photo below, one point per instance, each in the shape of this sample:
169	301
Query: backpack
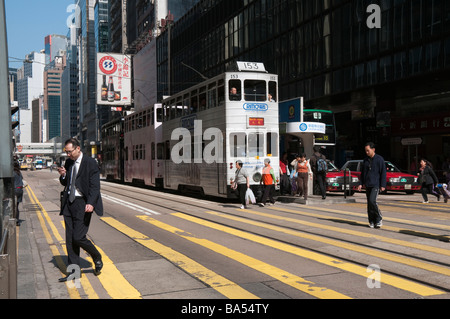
321	165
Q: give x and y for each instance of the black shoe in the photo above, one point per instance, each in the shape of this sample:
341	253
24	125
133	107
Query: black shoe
98	266
68	278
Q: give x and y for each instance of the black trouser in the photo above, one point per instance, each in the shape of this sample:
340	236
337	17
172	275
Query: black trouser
242	189
77	225
373	211
320	179
268	192
427	189
285	184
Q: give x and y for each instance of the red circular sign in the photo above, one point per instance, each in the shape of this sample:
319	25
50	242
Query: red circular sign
108	64
20	148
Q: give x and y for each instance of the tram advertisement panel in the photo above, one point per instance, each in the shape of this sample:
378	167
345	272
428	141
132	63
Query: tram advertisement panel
113	79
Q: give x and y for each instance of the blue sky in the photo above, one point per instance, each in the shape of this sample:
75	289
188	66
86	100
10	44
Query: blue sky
28	22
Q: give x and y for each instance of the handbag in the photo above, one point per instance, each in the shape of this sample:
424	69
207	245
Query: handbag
249	197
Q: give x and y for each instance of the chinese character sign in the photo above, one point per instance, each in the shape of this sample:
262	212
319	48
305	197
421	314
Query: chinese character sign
113	79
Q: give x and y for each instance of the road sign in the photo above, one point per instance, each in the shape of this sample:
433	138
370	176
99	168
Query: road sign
411	141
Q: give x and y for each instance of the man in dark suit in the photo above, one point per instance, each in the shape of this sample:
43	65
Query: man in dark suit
81	196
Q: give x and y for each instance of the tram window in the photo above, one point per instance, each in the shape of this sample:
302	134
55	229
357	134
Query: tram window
194	104
212	98
152	116
186	104
272	144
255	90
238	145
173	112
273	90
202	101
153	150
235	90
179	110
220	95
160	151
167	150
255	144
159	113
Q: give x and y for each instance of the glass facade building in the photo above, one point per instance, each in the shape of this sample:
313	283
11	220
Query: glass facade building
381	82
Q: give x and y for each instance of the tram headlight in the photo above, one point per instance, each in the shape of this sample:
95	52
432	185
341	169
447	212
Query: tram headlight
257	177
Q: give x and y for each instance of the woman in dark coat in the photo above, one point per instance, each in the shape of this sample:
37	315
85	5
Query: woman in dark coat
428	179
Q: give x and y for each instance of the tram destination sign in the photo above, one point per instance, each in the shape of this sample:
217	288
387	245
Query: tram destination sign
250	66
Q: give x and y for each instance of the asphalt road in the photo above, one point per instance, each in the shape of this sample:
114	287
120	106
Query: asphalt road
165	245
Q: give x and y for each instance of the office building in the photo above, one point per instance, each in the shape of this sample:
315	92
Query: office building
384	84
55	44
52	96
30	85
69	89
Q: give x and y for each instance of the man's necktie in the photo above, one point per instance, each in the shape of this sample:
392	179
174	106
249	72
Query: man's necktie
72	183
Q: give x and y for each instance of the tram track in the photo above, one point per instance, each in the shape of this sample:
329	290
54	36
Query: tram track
136	193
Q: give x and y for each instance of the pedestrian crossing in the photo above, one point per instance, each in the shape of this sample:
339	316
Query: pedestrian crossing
285	229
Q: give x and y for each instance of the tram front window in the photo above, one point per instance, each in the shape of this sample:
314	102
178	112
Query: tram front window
255	90
238	145
255	144
235	90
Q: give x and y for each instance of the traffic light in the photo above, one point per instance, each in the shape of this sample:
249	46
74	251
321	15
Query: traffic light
14	110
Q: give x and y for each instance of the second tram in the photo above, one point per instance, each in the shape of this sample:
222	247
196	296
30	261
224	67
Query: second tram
193	139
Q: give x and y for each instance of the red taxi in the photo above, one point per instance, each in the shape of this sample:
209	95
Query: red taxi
396	180
335	180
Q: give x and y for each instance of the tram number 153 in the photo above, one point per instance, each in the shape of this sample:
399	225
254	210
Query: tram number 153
251	66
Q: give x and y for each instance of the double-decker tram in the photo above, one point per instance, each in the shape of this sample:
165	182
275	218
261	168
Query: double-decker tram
208	127
143	149
322	116
112	150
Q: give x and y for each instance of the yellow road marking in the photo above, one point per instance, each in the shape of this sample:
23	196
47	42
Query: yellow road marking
73	292
297	282
386	227
352	247
224	286
85	283
399	242
387	279
398	220
111	279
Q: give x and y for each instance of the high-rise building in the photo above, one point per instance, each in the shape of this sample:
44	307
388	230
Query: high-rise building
30	85
101	26
383	84
12	84
54	46
69	89
52	95
89	130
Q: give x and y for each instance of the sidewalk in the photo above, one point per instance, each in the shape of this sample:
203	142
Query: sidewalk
31	280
